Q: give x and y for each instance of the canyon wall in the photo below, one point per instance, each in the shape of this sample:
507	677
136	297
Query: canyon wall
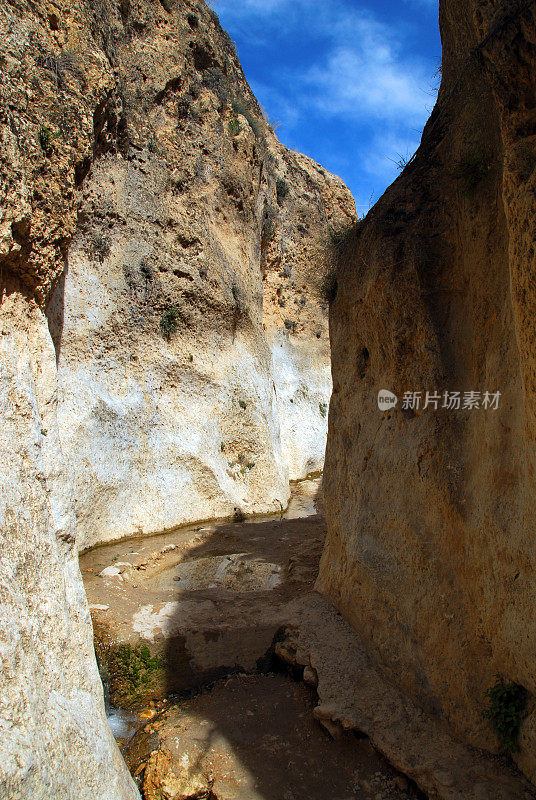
192	338
161	262
431	513
54	738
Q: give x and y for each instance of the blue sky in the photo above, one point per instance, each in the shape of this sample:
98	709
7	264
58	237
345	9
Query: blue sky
351	82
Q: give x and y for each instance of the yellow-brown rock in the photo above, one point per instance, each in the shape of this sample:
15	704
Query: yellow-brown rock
431	514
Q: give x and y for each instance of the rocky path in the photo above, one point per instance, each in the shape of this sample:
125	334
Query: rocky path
176	611
201	634
254	737
195	613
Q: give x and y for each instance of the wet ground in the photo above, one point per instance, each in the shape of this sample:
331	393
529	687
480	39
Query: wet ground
185	626
176	611
255	738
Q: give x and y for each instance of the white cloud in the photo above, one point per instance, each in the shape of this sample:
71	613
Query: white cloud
362	73
365	84
365	75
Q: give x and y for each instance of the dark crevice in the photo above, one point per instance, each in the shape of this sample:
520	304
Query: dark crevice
171	86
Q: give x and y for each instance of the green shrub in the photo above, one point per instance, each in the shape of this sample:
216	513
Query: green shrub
234	127
323	408
45	140
291	325
132	671
240	106
218	84
507	701
339	236
243	405
168	321
282	190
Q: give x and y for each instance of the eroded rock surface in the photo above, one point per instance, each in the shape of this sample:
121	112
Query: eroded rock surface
431	514
191	333
54	739
255	738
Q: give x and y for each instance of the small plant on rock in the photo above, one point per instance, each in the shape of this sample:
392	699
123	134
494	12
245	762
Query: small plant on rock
340	236
45	140
234	127
402	161
507	702
240	106
168	321
323	408
133	672
282	190
243	405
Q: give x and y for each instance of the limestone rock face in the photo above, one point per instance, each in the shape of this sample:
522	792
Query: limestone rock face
191	334
135	161
54	739
431	514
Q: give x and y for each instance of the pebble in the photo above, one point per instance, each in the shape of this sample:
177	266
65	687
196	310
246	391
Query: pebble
110	572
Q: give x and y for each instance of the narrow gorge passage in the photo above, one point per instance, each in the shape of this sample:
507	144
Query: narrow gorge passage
194	321
187	625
